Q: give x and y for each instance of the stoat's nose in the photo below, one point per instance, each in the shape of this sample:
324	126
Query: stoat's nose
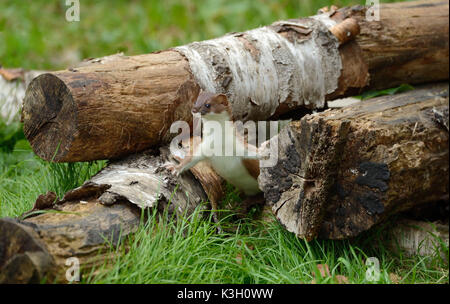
194	110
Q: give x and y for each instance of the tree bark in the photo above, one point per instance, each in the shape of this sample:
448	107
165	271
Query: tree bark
112	108
408	43
89	220
340	172
37	248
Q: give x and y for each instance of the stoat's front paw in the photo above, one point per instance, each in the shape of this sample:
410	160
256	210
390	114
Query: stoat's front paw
172	168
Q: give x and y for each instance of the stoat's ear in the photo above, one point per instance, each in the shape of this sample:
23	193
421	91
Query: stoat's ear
222	99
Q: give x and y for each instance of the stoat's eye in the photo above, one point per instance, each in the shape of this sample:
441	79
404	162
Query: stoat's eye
207	105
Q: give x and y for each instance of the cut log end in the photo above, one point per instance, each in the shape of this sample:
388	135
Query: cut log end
50	117
22	258
108	110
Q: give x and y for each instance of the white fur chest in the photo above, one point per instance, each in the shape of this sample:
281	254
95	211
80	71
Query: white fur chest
225	153
232	169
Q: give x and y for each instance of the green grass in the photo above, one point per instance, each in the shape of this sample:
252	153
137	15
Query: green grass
190	251
391	91
35	35
23	177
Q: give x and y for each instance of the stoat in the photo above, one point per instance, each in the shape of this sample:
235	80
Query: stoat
240	171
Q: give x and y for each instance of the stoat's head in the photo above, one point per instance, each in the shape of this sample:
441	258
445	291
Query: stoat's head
210	105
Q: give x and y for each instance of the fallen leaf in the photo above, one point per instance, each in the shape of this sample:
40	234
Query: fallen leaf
340	279
11	74
45	201
395	278
324	270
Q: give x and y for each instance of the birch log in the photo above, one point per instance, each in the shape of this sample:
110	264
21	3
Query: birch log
90	219
340	172
112	108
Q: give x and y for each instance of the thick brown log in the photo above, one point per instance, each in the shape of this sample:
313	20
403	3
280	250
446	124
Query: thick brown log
92	218
408	45
107	108
115	107
37	248
340	172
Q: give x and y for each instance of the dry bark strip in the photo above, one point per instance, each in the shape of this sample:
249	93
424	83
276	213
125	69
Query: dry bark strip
340	172
13	83
96	215
112	108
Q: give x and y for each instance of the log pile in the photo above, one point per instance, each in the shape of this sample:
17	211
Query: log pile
112	108
91	218
339	172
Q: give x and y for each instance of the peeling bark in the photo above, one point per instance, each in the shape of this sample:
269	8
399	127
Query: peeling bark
296	60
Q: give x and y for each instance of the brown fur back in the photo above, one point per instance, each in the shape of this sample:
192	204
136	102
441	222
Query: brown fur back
252	166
